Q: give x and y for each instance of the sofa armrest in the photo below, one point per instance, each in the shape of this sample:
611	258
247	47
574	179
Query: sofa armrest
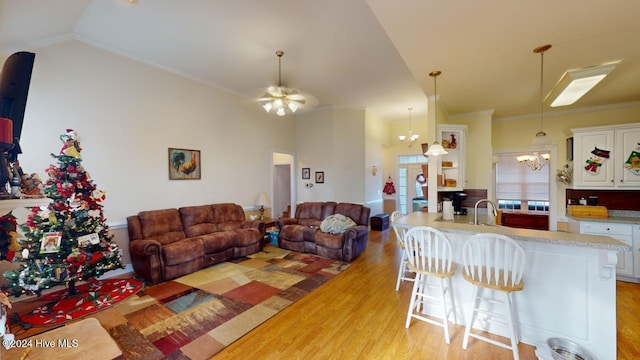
285	221
145	247
252	224
147	260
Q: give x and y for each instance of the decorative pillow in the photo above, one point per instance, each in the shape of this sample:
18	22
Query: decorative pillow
336	224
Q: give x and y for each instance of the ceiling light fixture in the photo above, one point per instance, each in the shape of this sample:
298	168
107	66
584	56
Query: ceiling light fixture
541	138
435	149
279	98
535	162
412	137
575	83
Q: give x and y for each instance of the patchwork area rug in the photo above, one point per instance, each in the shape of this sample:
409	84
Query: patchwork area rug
196	316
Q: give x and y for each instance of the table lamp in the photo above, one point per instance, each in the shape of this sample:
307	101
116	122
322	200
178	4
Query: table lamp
262	201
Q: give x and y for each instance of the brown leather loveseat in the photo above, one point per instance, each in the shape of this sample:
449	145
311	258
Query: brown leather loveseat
165	244
303	234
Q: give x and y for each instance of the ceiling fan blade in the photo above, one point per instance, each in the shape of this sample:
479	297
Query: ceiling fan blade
296	97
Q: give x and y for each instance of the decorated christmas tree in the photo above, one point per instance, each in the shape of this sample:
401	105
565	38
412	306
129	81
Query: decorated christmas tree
67	241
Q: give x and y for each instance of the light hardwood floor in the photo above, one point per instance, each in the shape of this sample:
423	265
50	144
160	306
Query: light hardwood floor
359	315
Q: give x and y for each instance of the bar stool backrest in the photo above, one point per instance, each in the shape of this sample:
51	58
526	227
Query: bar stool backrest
428	250
495	260
398	230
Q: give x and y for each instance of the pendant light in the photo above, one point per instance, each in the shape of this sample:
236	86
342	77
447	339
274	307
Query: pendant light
435	149
536	161
279	98
411	136
541	138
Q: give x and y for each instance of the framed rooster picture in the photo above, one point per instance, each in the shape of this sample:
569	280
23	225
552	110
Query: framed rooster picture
184	164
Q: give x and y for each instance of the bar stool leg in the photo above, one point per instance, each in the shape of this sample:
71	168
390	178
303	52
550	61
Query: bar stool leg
512	328
445	313
401	269
412	303
471	316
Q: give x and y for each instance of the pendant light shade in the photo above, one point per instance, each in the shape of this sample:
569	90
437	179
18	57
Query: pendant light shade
435	149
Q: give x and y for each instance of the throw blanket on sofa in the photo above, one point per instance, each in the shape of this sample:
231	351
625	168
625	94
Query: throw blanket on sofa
336	224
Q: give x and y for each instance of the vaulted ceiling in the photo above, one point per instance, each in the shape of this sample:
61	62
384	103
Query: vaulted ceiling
362	53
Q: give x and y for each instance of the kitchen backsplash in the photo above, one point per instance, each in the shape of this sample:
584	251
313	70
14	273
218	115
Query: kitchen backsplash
613	200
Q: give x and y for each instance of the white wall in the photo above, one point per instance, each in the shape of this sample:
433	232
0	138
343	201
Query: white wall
375	134
128	114
344	143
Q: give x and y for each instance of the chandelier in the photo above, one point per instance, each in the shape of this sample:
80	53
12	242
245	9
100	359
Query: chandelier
435	149
536	162
411	136
281	99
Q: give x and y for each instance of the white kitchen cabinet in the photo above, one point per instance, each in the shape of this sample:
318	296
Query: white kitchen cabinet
628	145
619	231
603	157
636	251
451	165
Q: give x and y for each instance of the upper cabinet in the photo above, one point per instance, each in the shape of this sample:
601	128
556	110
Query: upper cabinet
451	165
607	157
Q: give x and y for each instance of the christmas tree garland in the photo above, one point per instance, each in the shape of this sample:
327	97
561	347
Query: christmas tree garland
68	240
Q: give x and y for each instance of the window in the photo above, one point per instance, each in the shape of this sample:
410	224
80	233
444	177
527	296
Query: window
520	189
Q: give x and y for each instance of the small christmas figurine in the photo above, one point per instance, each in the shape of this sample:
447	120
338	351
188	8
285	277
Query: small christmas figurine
389	189
593	165
452	143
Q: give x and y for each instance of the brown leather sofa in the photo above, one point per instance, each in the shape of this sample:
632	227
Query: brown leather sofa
165	244
302	233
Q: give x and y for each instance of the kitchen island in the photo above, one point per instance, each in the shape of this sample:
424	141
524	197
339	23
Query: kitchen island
570	282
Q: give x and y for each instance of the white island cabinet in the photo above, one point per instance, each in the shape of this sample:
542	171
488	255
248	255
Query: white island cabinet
627	230
570	283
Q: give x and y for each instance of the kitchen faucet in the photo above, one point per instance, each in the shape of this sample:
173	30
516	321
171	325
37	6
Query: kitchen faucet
475	209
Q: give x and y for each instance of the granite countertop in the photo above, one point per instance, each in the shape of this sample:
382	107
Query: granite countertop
464	224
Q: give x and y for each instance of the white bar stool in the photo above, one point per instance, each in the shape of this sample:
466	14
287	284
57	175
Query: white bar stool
399	231
429	255
493	262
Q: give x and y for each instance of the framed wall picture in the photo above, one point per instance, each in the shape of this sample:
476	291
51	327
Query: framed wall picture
306	173
319	177
184	164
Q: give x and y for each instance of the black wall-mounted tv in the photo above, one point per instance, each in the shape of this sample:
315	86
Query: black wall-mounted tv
14	89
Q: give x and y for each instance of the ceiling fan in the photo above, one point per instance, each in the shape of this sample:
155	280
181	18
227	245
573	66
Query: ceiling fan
281	99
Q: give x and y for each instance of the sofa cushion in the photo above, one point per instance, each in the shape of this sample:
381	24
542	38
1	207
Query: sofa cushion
309	210
299	233
183	251
218	241
229	225
333	241
309	222
197	220
353	211
245	237
164	226
228	212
